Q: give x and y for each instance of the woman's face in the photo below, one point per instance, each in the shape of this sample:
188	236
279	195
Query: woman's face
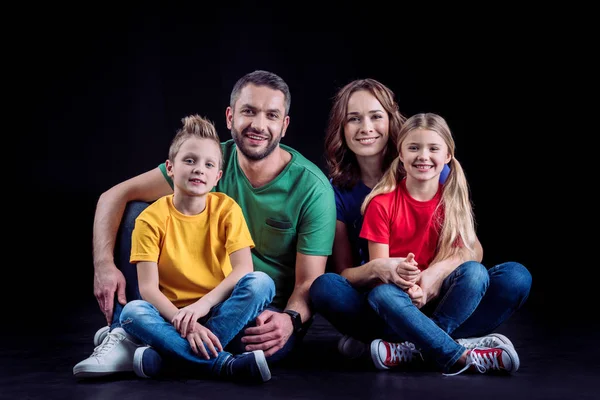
366	127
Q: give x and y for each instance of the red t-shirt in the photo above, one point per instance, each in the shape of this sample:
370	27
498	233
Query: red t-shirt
404	224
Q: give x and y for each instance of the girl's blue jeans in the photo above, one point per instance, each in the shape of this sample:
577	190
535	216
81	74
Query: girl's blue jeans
473	301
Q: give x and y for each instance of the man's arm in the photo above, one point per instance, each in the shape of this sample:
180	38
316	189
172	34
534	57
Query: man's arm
148	187
308	268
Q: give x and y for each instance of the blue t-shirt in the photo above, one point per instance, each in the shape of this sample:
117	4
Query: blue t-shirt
347	204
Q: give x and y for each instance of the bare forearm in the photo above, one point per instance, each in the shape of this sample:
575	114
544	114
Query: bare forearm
154	296
361	276
299	301
223	290
109	212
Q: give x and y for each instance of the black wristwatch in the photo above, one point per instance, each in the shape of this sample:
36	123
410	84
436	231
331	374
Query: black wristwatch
296	320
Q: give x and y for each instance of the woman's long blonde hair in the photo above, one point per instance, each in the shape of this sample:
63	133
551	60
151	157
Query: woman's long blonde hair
458	218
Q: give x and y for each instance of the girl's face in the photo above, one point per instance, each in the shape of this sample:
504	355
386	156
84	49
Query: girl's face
424	154
366	129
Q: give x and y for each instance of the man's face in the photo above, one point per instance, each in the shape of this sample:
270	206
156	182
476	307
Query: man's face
257	121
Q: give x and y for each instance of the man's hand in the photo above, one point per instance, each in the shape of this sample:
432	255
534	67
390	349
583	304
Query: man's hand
108	279
271	333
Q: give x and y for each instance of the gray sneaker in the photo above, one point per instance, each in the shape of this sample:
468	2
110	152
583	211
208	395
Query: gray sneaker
491	340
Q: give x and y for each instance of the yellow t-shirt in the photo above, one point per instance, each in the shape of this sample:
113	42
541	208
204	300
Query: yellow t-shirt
192	251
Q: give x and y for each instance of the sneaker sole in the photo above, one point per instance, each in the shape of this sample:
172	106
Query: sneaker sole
137	363
514	357
375	355
263	367
93	371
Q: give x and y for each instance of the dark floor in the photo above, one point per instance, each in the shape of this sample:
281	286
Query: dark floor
555	364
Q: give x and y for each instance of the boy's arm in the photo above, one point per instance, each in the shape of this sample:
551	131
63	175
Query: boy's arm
149	290
108	279
241	264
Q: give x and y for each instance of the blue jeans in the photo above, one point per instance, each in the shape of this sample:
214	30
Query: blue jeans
472	302
252	293
122	254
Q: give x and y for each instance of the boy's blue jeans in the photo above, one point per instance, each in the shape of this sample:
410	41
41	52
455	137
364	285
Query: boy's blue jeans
473	302
250	296
122	254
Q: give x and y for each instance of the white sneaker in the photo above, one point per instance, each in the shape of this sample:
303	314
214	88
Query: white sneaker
351	348
100	335
491	340
114	354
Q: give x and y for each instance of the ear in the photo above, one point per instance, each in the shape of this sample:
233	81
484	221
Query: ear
219	175
229	117
448	158
286	123
169	166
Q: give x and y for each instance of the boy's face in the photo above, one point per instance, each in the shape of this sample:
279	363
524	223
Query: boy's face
196	168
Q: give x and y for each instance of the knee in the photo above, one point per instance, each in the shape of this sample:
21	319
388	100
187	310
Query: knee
132	309
323	286
260	284
132	210
475	275
389	296
517	277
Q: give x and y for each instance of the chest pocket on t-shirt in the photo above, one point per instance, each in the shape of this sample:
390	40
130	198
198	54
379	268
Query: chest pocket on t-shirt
277	238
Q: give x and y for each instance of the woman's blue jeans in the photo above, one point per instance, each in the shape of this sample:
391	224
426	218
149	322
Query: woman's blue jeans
252	293
473	302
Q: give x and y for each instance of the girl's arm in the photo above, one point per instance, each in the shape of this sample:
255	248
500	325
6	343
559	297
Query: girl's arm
432	278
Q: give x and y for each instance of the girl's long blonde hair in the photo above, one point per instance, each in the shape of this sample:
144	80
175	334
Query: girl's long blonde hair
458	219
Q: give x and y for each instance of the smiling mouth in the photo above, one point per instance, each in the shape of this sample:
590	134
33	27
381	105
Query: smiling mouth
367	140
197	181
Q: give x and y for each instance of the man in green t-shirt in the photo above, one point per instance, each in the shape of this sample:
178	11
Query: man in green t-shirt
287	201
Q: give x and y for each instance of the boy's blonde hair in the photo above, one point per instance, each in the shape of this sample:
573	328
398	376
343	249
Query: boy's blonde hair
195	126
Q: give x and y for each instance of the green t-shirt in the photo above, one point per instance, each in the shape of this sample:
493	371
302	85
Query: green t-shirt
293	213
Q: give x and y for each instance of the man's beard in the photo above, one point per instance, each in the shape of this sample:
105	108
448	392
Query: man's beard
247	151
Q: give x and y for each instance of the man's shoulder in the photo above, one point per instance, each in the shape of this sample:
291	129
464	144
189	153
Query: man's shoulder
310	170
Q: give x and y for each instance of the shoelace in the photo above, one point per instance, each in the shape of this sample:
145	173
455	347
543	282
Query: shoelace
109	342
402	352
482	360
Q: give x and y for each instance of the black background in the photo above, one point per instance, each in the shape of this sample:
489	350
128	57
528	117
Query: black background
100	93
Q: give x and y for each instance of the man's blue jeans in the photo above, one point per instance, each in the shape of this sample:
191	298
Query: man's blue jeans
122	254
252	293
473	301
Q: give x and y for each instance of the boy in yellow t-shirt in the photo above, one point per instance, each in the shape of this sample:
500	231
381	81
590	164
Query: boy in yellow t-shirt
194	265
